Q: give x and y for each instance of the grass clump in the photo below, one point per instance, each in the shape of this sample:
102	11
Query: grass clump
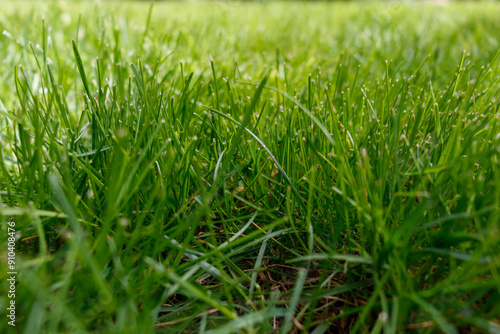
251	167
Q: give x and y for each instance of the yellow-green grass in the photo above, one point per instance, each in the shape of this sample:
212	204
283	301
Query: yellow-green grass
250	167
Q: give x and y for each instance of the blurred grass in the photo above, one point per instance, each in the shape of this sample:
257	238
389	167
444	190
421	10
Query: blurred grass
229	167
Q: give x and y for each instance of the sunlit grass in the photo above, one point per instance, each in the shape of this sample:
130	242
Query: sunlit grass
251	167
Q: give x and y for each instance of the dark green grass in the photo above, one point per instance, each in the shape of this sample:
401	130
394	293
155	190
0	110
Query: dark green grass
251	167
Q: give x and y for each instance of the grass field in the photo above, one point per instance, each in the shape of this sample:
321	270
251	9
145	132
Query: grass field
253	168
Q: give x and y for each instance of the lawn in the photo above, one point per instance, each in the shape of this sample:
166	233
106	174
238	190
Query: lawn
249	167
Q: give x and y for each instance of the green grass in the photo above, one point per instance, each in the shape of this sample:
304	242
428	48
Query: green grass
232	167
